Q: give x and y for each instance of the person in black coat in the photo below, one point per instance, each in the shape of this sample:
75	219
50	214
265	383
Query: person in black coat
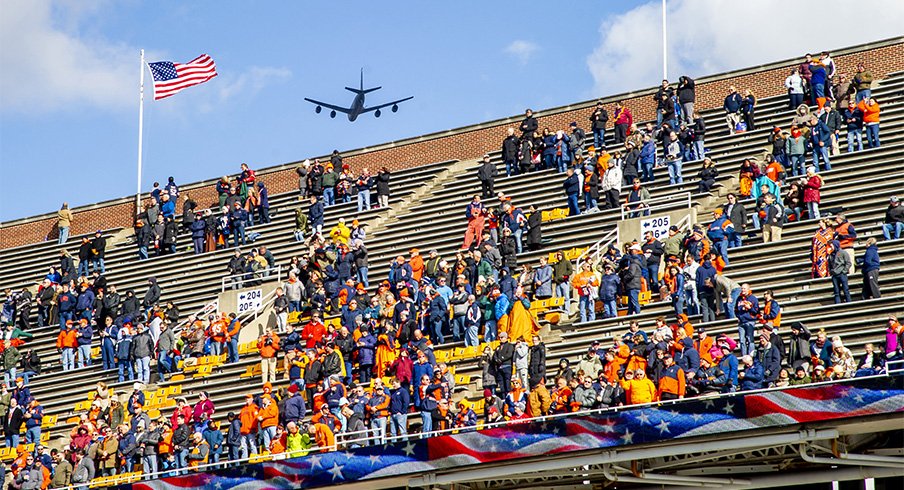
98	249
486	174
686	97
510	147
529	125
534	229
188	212
12	423
525	154
630	165
170	232
598	119
198	232
382	179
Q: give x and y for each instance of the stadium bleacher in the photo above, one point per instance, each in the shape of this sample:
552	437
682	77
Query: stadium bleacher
426	210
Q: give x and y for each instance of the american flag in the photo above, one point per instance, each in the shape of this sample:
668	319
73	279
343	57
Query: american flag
171	78
650	424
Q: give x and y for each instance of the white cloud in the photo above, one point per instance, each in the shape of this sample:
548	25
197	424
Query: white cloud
48	64
718	35
522	50
252	81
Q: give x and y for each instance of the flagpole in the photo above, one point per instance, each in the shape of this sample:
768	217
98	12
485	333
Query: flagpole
665	49
140	134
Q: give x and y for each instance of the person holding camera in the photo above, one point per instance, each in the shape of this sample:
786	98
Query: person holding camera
268	345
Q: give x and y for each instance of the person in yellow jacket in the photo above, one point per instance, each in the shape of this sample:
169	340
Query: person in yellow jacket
340	234
586	283
638	388
297	443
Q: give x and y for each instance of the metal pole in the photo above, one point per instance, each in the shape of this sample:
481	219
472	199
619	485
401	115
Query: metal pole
665	52
140	134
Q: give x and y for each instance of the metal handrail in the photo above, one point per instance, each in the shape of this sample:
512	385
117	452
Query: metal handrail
212	306
599	248
655	203
255	276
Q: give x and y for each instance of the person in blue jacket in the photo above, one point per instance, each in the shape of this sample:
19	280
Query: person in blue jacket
315	215
399	400
729	366
746	310
770	358
84	305
648	158
198	231
752	377
167	206
237	219
609	291
263	205
869	267
572	189
85	334
366	348
821	138
732	107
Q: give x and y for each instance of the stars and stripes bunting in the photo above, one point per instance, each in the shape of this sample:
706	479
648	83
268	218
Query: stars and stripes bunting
650	424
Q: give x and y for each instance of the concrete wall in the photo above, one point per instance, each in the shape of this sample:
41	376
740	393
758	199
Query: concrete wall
252	327
881	58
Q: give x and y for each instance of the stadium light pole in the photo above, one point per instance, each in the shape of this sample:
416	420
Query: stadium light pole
140	133
665	52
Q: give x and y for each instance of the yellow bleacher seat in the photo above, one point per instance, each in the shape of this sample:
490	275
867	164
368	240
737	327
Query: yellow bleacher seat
177	377
153	413
463	379
294	317
441	355
470	352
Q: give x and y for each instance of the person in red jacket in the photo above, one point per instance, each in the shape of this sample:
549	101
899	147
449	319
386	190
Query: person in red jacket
313	332
403	369
623	121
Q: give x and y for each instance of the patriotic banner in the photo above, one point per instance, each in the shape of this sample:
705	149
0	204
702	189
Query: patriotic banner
578	433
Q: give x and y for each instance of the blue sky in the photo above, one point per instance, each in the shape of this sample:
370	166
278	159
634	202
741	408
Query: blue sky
68	91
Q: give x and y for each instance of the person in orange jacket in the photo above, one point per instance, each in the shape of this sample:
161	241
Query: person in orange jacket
268	345
67	343
586	283
268	419
870	109
249	426
417	264
704	345
232	338
672	381
323	437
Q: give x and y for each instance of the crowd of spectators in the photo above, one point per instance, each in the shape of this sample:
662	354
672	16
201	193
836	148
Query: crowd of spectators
337	371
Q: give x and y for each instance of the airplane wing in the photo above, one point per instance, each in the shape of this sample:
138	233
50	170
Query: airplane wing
336	108
369	109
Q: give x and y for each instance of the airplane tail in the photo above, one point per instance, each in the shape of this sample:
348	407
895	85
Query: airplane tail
362	90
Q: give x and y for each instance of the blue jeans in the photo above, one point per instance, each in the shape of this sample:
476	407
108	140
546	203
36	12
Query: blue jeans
599	138
798	164
125	368
745	338
232	350
511	168
427	422
84	355
794	100
854	136
399	425
12	440
249	445
489	333
589	202
633	301
296	305
735	240
840	288
362	278
733	299
142	253
67	359
648	169
363	200
64	235
143	369
610	308
329	196
862	95
98	265
561	164
238	234
458	326
164	365
721	247
149	463
587	307
563	290
692	302
549	161
83	268
267	435
674	167
181	458
653	275
66	316
437	327
872	135
573	209
471	335
821	151
888	228
699	150
33	435
813	210
678	303
378	424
